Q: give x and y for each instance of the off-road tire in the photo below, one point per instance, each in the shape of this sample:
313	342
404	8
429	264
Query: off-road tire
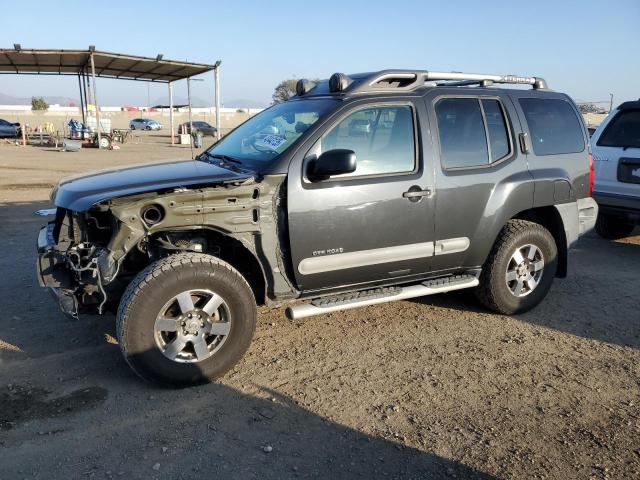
154	286
613	228
493	291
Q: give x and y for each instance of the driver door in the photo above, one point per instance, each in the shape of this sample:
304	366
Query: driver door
374	225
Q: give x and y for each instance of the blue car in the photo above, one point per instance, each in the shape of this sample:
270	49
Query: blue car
8	129
144	124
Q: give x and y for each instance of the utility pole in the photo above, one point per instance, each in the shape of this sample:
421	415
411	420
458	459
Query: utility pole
610	101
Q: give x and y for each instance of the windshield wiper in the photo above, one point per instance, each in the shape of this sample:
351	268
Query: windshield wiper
225	161
225	158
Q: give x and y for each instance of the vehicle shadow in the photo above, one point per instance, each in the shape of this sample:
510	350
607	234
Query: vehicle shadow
139	431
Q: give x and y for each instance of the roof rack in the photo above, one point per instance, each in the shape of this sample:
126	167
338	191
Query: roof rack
408	80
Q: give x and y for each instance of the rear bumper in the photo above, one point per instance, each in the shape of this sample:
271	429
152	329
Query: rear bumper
578	218
622	205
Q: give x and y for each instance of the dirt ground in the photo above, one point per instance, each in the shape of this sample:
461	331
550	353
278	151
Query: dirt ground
432	388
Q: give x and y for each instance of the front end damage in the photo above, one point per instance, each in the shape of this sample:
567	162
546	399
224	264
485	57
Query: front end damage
68	262
87	258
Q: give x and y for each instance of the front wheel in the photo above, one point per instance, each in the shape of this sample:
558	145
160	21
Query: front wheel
520	268
612	227
186	319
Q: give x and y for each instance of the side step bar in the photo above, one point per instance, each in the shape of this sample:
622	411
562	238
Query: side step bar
375	296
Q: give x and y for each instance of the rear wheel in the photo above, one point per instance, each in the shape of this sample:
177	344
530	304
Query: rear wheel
186	319
132	126
520	268
612	227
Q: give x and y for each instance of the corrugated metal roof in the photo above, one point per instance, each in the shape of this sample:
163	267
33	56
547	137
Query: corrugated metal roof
107	64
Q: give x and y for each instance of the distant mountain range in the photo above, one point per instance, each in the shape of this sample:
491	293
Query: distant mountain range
195	101
51	100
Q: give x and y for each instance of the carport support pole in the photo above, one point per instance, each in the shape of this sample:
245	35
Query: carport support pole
173	140
189	98
81	98
95	96
216	75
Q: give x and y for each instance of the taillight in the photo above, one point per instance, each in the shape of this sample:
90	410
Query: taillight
592	175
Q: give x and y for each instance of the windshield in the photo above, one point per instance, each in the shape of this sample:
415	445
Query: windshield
622	131
268	134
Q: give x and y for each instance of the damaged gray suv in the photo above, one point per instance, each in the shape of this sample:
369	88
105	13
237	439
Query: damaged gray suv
359	190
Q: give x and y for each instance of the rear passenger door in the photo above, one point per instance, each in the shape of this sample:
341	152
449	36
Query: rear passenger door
479	168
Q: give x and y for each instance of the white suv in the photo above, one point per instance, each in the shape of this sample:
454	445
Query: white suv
616	154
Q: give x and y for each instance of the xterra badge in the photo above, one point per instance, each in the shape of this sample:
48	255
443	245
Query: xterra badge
329	251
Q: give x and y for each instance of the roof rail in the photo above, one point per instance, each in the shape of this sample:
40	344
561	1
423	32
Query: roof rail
406	80
471	78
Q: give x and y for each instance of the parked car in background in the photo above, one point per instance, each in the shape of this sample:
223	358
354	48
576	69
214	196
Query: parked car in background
202	127
144	124
8	129
616	155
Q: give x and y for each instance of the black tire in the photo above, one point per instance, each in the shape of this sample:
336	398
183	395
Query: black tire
493	291
148	129
132	126
157	284
612	227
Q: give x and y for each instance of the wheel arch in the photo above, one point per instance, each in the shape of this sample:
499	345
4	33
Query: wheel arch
550	218
232	250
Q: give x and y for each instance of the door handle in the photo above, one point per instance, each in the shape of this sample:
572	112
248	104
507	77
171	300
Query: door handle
415	193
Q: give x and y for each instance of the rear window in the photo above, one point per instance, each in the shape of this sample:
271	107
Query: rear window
554	126
623	130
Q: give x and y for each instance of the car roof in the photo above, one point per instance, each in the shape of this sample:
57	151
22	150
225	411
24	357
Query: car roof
631	105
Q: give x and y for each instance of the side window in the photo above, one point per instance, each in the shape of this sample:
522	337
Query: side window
463	139
382	138
554	126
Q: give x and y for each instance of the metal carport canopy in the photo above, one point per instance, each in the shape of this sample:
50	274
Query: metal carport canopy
107	64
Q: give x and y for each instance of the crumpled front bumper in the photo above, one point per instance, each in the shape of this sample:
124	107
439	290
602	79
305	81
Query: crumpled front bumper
54	274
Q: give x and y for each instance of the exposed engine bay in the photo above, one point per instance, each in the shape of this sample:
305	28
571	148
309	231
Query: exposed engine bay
87	258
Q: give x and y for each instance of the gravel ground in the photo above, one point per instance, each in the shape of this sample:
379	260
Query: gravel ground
432	388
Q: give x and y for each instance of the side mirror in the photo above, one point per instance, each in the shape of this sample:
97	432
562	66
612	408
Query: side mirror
333	162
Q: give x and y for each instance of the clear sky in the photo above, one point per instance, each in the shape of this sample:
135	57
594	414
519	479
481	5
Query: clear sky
585	48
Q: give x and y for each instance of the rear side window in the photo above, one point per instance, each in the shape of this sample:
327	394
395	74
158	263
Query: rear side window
554	126
472	132
623	130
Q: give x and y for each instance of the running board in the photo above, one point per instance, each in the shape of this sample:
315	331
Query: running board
375	296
